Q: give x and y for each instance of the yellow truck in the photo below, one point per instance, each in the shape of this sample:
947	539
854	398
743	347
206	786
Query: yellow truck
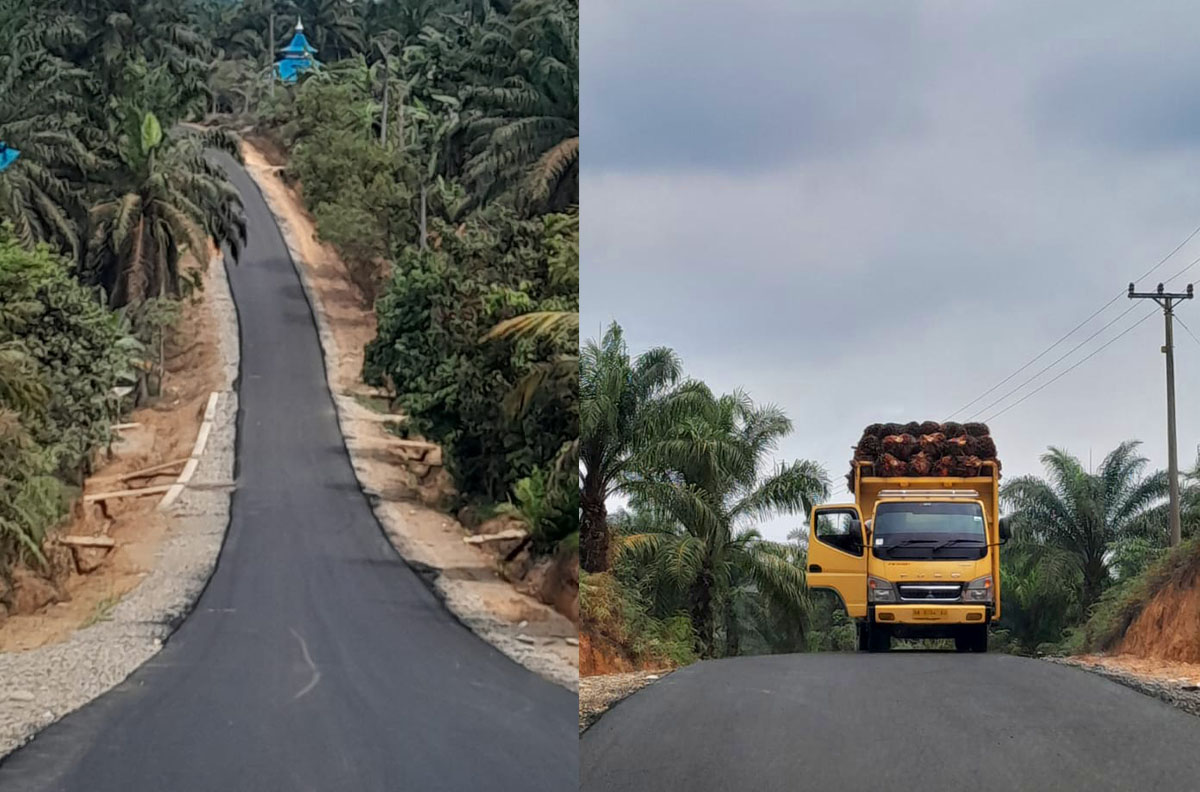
913	557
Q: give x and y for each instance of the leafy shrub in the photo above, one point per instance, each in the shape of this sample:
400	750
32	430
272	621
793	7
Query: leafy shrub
549	510
436	308
76	345
616	613
357	189
62	355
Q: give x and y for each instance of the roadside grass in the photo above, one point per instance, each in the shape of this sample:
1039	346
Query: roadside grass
374	403
102	611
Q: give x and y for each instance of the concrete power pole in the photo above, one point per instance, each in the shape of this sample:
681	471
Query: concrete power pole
271	50
1167	301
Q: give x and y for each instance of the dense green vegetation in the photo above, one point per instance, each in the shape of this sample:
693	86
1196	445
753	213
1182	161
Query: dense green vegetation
459	120
1088	548
1081	541
97	213
60	356
695	468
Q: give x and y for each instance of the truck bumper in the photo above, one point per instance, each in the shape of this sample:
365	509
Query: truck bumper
931	615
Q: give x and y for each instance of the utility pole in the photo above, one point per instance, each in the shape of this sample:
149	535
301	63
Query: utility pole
424	240
1167	301
271	49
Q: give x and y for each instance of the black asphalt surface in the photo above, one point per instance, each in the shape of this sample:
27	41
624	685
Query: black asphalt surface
315	659
926	722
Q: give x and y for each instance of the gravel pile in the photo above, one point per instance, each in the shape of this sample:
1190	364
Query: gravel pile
42	685
598	693
1181	694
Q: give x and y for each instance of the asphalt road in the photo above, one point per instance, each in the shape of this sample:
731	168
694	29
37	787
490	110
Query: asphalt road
315	659
903	721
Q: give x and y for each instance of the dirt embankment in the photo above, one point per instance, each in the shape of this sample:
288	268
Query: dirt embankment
525	607
1168	628
82	584
1159	653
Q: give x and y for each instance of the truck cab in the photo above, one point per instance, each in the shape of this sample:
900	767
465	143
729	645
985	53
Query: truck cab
913	557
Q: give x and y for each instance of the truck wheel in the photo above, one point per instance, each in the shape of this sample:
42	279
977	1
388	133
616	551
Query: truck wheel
879	639
862	637
971	639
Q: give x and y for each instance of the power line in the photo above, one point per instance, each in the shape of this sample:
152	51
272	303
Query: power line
1077	327
1075	348
1071	368
1188	329
1063	357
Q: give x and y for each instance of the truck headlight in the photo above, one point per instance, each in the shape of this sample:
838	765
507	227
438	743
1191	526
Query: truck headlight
880	590
979	590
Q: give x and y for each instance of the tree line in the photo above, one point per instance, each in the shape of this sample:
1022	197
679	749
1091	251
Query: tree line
459	118
680	572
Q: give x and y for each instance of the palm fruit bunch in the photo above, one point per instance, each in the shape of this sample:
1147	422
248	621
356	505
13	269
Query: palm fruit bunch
926	448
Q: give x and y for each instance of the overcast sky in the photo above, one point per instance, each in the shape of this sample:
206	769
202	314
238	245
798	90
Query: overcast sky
875	211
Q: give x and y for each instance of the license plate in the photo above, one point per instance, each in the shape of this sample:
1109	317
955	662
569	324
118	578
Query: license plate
930	613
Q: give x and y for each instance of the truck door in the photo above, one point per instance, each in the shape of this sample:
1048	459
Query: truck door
837	559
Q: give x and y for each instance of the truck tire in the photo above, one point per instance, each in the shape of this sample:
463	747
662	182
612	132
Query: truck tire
879	639
971	639
862	636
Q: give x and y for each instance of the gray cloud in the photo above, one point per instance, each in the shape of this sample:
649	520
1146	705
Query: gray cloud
734	86
896	271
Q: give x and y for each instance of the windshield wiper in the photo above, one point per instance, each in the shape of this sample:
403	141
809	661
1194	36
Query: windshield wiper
907	542
952	542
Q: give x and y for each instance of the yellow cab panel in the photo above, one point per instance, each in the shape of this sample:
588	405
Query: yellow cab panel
837	555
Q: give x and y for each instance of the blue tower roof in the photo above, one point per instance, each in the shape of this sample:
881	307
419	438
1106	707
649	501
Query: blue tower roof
297	57
299	46
7	156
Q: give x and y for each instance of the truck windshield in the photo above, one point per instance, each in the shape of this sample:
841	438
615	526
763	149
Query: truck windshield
929	530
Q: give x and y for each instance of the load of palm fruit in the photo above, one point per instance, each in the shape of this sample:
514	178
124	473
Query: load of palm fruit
924	449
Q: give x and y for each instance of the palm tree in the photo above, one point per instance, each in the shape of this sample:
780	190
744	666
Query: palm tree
1043	587
709	499
521	134
145	51
41	114
616	394
174	200
1076	517
335	27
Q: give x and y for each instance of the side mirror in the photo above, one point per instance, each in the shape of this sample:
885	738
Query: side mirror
1005	529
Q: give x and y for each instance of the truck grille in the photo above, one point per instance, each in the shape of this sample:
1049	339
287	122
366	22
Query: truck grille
930	592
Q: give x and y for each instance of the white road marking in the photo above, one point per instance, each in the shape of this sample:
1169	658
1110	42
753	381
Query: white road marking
308	659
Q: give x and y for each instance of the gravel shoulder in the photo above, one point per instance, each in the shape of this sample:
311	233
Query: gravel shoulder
463	577
598	694
1178	684
42	685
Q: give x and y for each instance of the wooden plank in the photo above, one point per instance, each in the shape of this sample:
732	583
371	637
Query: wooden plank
146	471
172	495
127	493
511	533
88	541
210	409
415	444
202	439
